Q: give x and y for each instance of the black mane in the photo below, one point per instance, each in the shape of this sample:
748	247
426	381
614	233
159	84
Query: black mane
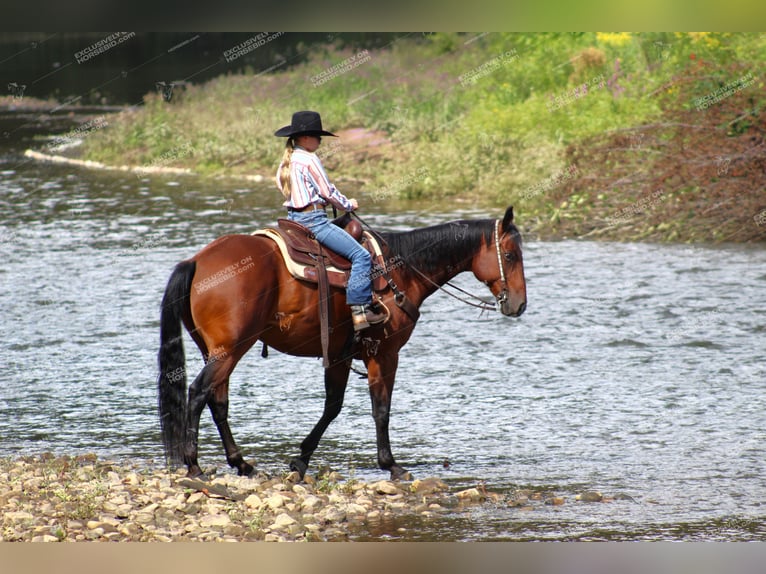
439	246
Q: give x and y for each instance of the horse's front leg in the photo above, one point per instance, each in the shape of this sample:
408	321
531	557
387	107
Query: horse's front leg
381	372
335	380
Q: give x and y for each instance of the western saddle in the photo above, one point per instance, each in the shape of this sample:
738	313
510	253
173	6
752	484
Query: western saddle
308	260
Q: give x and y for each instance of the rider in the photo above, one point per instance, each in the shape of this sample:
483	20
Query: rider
302	180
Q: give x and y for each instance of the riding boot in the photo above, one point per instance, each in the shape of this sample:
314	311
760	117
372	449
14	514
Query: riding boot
363	316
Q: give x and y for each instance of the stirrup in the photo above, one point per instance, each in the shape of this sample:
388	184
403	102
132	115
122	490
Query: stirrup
363	316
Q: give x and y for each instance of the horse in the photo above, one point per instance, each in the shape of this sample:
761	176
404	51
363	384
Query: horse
237	290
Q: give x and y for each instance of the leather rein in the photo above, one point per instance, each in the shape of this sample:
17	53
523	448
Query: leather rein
482	304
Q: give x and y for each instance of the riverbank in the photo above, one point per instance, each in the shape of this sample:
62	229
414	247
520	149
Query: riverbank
50	498
652	137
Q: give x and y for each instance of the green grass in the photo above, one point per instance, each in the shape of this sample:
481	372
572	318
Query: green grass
467	116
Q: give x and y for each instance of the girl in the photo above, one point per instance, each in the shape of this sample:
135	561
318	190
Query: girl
302	180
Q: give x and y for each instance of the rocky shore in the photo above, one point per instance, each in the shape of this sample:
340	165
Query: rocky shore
50	498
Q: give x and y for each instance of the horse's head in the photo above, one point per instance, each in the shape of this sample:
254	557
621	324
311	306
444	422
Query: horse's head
499	265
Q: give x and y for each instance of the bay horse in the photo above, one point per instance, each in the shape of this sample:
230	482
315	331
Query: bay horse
237	291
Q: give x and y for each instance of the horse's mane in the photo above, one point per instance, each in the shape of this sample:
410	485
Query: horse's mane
438	246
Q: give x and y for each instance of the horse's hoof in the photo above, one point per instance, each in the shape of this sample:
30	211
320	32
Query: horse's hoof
299	466
398	473
195	472
245	469
199	475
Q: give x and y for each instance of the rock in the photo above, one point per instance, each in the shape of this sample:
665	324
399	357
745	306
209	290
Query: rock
385	487
337	498
332	514
276	501
149	509
131	479
294	477
623	496
45	538
554	501
194	497
358	509
144	518
311	503
18	516
470	495
191	509
215	521
123	510
428	486
283	521
253	501
590	496
300	490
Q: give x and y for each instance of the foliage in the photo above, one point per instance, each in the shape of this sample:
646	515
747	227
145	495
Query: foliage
488	118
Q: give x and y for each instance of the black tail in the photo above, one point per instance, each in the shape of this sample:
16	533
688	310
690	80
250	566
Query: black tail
172	379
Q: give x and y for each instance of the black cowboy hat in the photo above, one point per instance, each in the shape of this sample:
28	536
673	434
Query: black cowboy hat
304	123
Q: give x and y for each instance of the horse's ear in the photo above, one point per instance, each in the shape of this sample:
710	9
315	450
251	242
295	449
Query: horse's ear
508	219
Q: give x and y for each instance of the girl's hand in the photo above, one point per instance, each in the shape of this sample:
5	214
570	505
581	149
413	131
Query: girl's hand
354	204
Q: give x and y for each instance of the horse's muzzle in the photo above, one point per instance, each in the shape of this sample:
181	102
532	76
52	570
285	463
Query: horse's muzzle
510	310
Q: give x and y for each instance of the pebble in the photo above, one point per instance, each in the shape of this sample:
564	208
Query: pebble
276	501
253	501
386	487
470	494
215	520
283	521
50	498
590	496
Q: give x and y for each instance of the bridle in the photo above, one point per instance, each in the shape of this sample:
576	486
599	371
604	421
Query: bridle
503	296
482	304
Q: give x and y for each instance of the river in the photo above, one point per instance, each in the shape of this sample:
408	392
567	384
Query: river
638	369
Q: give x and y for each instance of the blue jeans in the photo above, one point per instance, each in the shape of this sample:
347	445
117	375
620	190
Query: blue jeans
359	289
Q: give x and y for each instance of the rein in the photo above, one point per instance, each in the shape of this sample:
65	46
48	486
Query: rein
482	304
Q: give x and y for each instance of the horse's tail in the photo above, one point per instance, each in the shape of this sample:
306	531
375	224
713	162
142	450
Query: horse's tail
172	378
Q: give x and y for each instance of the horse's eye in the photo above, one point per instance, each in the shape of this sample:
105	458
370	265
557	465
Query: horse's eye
510	257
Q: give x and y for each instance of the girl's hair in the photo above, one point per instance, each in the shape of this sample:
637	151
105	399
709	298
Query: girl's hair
284	168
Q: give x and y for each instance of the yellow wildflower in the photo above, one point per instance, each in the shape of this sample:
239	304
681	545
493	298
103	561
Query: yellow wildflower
614	38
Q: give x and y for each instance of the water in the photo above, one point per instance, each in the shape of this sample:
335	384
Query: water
636	369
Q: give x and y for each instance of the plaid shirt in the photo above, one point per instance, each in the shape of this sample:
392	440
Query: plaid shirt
309	183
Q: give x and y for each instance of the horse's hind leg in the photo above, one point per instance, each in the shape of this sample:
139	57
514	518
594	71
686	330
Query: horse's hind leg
335	379
219	408
211	387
